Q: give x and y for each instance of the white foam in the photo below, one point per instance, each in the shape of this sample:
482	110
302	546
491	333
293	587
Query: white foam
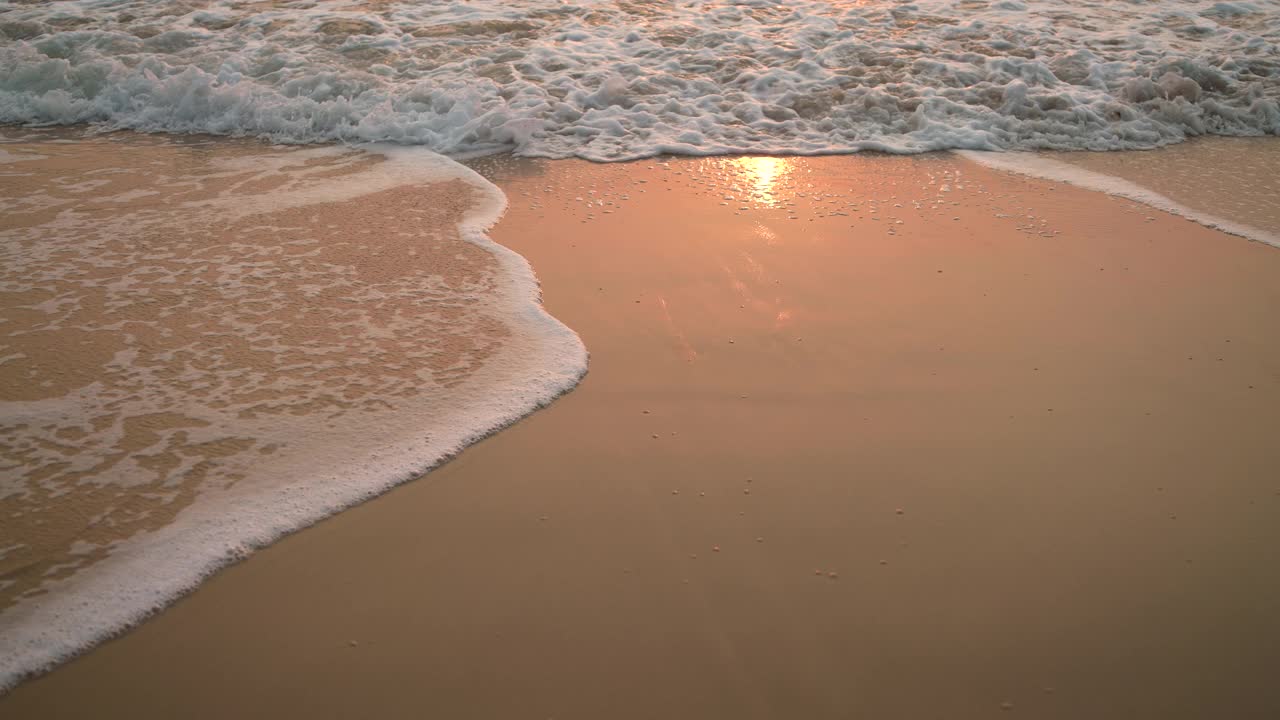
320	469
1039	166
611	81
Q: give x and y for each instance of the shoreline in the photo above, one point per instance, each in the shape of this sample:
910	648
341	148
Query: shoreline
1075	168
815	370
154	436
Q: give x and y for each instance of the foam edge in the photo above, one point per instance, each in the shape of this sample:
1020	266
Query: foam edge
63	626
1041	167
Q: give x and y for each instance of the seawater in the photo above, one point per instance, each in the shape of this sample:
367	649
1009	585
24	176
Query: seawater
206	344
622	79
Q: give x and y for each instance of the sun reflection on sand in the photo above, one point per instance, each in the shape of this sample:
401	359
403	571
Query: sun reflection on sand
764	173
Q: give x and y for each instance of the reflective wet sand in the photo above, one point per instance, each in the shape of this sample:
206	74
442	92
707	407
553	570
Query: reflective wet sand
863	437
1232	178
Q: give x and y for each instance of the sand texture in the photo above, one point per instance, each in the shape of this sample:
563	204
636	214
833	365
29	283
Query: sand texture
862	437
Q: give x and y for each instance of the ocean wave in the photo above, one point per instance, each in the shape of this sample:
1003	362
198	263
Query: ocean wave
612	81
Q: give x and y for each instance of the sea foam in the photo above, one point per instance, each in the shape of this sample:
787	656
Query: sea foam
614	81
176	452
1048	168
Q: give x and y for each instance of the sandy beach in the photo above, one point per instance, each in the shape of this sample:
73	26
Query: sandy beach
863	436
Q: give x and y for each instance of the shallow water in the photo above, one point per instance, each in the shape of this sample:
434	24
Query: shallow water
205	344
1236	178
1224	183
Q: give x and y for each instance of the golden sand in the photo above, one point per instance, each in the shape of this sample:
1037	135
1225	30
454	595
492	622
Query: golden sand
863	437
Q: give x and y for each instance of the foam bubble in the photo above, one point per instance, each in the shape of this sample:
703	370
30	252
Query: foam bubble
621	80
258	345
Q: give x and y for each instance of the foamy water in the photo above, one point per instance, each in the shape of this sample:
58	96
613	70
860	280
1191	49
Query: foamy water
204	346
613	80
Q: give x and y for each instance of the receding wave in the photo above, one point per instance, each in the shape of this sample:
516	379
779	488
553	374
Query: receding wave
1252	215
205	345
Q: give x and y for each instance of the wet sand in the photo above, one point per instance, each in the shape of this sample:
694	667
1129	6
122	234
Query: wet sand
1015	454
206	344
1234	178
131	303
